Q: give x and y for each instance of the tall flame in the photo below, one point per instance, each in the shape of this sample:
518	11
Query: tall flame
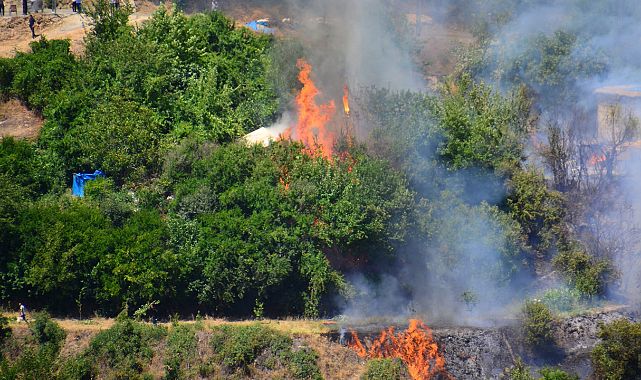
346	100
415	347
311	128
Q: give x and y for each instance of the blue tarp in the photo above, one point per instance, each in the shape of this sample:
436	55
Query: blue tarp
79	179
260	26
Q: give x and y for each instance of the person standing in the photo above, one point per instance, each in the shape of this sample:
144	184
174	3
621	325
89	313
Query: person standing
23	313
24	7
2	7
32	25
79	6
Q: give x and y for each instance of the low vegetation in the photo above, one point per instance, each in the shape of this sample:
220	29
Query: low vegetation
618	355
385	369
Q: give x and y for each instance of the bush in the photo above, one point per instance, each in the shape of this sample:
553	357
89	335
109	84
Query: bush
556	374
618	355
537	324
182	351
40	74
47	331
385	369
562	299
303	364
125	348
585	273
238	348
5	330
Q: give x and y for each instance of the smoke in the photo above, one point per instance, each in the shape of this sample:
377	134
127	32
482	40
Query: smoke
607	31
463	276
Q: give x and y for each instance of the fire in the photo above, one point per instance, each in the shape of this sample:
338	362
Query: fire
597	159
346	100
415	347
311	128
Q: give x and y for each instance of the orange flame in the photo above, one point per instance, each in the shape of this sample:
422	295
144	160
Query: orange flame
597	159
415	347
311	128
346	100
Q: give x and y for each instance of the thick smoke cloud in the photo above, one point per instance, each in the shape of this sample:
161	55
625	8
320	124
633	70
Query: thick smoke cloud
608	30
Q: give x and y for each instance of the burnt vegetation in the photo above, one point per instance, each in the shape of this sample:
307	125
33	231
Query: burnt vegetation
447	185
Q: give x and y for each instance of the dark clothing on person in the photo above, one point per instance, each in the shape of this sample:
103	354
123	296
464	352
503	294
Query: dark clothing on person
24	7
73	6
2	7
32	23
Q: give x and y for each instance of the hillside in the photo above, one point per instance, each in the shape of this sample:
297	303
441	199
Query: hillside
376	189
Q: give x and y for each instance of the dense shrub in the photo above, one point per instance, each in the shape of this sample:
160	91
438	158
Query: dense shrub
520	371
5	330
562	299
241	348
618	355
182	351
124	349
47	331
588	275
40	74
538	323
385	369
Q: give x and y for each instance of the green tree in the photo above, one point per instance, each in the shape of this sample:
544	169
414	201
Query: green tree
618	355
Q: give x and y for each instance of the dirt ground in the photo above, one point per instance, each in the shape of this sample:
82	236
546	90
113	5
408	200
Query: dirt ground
64	24
17	121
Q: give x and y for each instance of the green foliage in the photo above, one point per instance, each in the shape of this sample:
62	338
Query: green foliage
38	75
138	131
553	65
480	127
520	371
125	348
618	355
107	23
303	364
539	211
5	330
182	351
538	323
384	369
557	374
562	299
239	348
47	331
585	273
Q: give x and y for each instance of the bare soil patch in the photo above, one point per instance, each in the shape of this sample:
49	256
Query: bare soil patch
19	122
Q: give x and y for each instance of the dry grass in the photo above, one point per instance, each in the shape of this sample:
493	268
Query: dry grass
335	361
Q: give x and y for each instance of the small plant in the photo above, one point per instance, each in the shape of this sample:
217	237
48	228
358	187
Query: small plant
556	374
385	369
303	364
618	356
470	299
562	300
537	324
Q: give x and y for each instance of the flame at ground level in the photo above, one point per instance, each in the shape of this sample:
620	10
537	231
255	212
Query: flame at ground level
415	347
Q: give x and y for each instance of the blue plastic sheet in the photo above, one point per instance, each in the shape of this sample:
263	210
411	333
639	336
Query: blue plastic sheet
260	26
79	179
